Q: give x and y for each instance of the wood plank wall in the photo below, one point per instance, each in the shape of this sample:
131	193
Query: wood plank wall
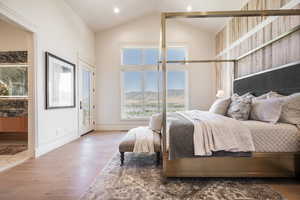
282	52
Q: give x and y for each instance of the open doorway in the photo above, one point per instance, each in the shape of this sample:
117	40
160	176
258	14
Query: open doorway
16	63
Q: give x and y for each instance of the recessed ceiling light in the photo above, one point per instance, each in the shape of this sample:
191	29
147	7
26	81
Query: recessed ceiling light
116	10
189	8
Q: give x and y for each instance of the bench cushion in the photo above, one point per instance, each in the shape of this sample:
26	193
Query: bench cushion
127	144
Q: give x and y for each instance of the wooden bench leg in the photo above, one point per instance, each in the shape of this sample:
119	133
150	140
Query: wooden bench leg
122	158
157	158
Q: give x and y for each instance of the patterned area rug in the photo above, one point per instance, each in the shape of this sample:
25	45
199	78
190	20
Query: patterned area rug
139	179
12	149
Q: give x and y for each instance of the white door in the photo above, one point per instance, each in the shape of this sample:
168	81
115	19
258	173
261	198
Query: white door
86	96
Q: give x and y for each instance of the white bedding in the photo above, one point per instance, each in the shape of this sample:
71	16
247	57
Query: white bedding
269	137
213	132
143	140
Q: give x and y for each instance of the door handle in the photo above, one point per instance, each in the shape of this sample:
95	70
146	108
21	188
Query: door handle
80	105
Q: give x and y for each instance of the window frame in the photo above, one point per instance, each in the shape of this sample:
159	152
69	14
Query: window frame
17	65
142	68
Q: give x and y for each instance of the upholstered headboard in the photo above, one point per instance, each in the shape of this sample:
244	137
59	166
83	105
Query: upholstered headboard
284	80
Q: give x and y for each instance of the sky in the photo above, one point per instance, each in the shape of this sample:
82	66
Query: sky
133	80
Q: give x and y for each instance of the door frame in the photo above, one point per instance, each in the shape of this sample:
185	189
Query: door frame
83	64
10	15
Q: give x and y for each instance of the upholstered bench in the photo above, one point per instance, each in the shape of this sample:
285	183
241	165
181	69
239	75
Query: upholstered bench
127	145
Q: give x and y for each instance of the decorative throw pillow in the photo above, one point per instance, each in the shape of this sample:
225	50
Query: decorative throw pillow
267	110
247	95
274	95
240	106
270	94
155	123
220	106
291	109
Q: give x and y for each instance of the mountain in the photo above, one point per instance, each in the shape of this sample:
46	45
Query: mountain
152	96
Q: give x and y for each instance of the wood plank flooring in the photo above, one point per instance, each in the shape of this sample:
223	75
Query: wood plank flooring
66	173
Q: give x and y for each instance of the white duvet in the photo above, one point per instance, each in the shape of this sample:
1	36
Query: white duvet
213	132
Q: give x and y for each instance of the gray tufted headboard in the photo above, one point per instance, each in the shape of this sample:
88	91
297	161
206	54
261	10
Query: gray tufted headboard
284	80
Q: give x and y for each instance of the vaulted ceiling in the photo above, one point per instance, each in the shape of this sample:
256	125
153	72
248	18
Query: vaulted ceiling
100	15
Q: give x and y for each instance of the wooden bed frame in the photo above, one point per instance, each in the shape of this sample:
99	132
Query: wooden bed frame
259	164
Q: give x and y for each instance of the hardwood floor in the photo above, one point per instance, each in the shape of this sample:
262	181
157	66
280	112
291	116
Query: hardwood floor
9	161
66	173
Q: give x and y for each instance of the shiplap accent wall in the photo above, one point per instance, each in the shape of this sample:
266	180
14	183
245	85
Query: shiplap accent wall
282	52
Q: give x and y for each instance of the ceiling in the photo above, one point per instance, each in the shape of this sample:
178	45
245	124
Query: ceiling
99	14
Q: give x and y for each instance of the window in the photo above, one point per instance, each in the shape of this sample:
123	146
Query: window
176	91
140	82
13	81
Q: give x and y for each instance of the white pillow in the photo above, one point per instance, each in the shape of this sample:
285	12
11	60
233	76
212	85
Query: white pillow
267	110
274	95
155	123
291	109
220	106
270	94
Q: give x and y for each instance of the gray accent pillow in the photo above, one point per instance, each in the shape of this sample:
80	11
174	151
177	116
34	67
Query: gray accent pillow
240	106
267	110
220	106
291	109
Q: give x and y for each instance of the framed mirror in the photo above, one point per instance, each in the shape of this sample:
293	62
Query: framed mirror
60	83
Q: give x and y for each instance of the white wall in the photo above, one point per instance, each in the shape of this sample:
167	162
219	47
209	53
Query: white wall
145	31
62	32
13	38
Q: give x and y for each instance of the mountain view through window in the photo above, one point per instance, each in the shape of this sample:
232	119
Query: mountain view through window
142	82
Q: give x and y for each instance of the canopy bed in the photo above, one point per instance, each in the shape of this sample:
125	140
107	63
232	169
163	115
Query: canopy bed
284	80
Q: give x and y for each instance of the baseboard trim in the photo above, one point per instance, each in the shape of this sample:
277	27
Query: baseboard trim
117	127
46	148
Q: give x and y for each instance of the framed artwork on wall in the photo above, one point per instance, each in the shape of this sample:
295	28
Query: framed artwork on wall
60	83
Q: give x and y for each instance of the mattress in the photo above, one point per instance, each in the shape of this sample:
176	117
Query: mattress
269	137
